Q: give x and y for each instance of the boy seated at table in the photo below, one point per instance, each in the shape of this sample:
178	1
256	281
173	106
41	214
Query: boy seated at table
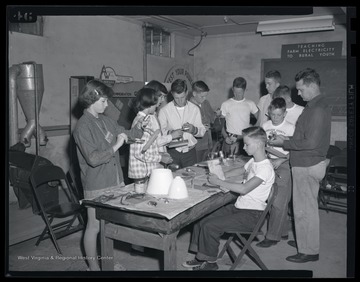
253	182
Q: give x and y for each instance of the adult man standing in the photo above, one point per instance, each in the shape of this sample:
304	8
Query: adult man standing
308	147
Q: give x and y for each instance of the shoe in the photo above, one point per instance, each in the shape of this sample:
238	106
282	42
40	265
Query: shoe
119	267
192	263
266	243
299	257
292	243
285	237
88	269
205	266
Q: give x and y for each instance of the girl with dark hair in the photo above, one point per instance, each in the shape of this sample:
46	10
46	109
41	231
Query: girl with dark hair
161	92
142	163
98	138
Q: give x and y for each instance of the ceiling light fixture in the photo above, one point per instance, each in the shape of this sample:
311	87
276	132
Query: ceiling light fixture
296	25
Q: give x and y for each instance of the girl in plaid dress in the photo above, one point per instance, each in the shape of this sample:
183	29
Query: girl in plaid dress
142	163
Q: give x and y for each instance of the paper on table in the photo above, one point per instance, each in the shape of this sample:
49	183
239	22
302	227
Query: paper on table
215	168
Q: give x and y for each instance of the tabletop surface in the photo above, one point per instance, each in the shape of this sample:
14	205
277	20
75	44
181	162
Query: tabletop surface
124	198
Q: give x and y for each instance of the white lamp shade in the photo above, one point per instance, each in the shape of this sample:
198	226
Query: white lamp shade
160	181
178	189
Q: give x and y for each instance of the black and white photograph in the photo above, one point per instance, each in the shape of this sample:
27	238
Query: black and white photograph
180	141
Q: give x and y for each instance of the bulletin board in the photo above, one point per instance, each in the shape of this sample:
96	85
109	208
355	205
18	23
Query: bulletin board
333	76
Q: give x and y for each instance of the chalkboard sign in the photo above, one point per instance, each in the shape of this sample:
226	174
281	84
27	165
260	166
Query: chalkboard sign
332	75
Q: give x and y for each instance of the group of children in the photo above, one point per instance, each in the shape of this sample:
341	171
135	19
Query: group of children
169	124
276	114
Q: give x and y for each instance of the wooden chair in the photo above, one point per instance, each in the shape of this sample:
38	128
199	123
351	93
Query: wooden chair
246	243
66	207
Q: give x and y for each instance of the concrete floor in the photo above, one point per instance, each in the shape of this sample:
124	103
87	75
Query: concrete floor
25	258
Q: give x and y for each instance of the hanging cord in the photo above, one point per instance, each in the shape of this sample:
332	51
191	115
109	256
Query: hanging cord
203	34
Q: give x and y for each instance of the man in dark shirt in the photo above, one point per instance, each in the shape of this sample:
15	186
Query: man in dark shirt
308	147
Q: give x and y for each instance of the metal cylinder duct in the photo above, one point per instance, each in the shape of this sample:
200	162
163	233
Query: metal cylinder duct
144	54
13	113
30	83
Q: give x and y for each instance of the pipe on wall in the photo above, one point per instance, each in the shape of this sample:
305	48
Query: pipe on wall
37	112
13	111
29	87
144	54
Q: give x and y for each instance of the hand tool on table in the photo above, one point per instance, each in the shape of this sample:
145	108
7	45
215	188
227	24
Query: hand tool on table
179	143
129	195
211	185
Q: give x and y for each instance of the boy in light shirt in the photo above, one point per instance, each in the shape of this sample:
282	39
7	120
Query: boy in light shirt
272	81
181	114
293	111
243	216
277	223
237	112
199	94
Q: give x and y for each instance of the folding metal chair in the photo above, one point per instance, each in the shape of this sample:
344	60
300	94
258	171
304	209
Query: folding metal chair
246	243
73	176
64	206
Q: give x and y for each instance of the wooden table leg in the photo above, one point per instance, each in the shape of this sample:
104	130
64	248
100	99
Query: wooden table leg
107	249
170	251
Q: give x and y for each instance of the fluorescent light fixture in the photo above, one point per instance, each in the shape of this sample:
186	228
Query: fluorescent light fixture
295	25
